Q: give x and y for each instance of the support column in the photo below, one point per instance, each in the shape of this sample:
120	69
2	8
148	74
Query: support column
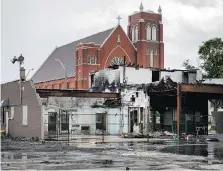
179	98
7	122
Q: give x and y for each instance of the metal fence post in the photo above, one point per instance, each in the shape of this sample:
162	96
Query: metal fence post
68	131
148	124
103	138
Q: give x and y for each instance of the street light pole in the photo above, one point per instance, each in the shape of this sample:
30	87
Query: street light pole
65	69
20	60
29	72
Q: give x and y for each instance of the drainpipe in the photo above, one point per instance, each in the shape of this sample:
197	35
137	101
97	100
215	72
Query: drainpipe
22	78
124	68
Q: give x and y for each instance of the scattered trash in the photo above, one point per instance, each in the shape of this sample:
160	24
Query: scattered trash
212	139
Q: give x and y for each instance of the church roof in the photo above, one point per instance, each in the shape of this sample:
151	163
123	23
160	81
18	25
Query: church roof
52	70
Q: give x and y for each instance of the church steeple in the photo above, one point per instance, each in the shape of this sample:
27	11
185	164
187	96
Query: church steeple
145	30
141	7
159	10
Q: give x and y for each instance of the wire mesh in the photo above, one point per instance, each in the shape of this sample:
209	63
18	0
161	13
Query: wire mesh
66	126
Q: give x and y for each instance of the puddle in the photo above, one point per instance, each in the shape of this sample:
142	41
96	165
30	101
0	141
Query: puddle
211	150
136	156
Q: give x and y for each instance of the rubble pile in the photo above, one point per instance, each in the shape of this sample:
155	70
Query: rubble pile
162	86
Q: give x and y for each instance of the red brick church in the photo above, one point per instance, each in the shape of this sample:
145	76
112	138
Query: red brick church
70	66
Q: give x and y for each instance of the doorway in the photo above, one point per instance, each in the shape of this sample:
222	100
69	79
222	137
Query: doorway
52	119
133	120
64	116
101	124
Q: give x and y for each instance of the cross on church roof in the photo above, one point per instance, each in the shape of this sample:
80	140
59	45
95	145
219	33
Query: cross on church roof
119	18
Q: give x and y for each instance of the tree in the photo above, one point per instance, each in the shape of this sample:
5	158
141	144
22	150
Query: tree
211	54
187	65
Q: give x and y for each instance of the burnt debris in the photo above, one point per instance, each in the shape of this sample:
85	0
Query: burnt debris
162	86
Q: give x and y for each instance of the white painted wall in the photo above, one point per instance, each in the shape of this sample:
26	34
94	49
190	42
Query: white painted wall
141	101
133	76
87	117
141	75
83	114
176	76
192	77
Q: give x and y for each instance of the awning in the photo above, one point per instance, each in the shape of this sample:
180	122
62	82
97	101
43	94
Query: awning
4	103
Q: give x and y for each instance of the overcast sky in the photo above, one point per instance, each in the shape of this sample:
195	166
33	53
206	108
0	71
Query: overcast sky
35	27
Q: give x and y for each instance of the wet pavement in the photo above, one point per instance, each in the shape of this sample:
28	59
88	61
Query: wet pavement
110	156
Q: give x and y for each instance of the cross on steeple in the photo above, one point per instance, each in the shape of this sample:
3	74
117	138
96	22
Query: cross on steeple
119	18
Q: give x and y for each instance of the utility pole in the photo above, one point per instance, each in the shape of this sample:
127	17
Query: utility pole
22	76
103	136
185	123
29	72
148	122
179	98
68	131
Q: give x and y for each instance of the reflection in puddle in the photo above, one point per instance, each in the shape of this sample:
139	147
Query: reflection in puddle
21	156
212	150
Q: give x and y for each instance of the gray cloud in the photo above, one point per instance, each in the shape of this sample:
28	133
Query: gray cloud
36	27
202	3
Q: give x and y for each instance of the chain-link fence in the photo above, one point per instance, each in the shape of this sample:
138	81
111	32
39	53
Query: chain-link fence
67	125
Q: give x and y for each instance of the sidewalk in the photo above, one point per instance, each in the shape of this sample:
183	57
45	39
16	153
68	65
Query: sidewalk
111	139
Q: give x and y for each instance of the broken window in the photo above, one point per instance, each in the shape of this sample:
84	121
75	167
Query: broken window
155	76
64	121
92	79
100	121
133	98
185	77
137	94
85	129
52	120
141	114
135	116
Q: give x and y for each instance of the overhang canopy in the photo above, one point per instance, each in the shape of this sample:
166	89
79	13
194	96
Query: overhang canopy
44	93
169	88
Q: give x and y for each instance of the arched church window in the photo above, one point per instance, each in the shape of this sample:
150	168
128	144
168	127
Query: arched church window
154	32
136	33
117	61
133	34
89	60
79	60
94	60
148	32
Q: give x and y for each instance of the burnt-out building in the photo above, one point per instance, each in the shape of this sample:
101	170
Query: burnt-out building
182	107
